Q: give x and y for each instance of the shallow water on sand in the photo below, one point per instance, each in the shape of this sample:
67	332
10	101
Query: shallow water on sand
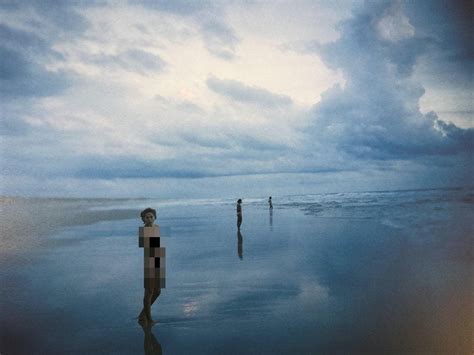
300	279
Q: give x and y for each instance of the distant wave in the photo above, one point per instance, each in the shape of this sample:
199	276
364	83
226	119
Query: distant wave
395	209
355	204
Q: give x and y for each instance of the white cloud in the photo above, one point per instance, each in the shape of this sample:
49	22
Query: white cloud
395	25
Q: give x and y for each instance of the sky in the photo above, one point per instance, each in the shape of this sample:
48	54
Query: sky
195	99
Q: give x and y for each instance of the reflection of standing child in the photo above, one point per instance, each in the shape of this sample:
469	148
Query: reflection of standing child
270	203
154	263
239	214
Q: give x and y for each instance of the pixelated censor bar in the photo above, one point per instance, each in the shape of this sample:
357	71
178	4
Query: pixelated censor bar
154	257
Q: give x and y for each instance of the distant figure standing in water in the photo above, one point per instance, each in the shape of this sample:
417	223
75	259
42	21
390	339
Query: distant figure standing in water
154	264
239	214
270	204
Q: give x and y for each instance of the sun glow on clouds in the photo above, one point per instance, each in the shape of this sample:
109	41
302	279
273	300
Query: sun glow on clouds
171	99
186	61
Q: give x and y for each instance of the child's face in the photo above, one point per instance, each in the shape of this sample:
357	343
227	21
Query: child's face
148	219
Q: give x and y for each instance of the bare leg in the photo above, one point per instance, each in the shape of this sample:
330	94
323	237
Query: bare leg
145	315
142	315
151	298
156	293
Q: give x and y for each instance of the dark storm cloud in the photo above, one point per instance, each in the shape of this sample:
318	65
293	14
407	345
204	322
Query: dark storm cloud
376	115
23	77
20	76
240	92
62	17
61	14
448	24
31	42
21	71
24	53
15	38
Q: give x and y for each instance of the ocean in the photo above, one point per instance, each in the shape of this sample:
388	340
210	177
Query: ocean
361	272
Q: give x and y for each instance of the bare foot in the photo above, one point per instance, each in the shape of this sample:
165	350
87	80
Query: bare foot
147	325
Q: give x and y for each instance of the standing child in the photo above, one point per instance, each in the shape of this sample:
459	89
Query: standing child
154	264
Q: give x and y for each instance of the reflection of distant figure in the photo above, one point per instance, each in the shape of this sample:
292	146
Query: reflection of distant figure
239	214
270	204
150	344
271	219
240	245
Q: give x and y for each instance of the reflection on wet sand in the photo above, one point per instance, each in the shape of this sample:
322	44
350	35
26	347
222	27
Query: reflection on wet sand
380	284
150	344
240	245
271	219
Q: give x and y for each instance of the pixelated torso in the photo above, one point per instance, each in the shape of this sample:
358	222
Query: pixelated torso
154	256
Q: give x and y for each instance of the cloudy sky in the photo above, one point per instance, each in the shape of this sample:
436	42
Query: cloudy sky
234	98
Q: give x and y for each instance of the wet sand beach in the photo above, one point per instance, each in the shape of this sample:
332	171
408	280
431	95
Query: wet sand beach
308	277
